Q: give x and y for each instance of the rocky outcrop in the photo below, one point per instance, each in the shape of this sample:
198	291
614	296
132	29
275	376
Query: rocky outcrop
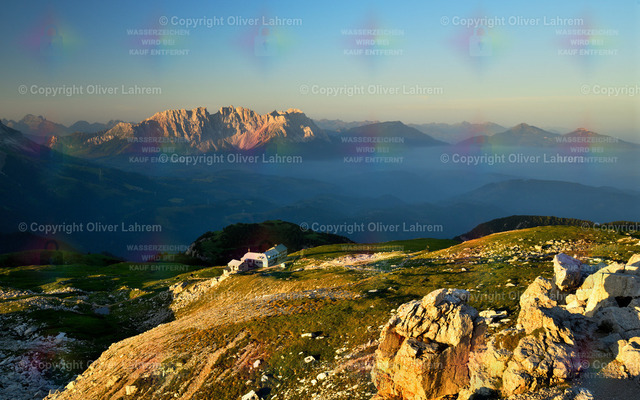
184	293
629	356
609	286
548	353
558	320
424	349
542	350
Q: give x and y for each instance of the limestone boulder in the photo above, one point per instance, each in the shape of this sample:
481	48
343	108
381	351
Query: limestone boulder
539	361
424	349
622	320
488	363
608	286
629	355
567	271
539	310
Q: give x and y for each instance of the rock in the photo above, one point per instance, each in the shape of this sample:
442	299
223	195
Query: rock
491	317
321	376
130	390
567	271
111	381
607	284
256	363
309	359
538	361
516	382
60	338
576	393
424	348
584	291
178	287
629	355
250	396
487	364
543	352
538	310
634	261
622	320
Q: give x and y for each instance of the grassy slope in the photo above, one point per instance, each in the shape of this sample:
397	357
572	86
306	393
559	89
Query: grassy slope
273	308
350	324
133	292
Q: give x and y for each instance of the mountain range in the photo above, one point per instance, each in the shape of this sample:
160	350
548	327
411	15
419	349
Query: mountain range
197	131
524	135
44	185
455	133
240	129
39	129
41	185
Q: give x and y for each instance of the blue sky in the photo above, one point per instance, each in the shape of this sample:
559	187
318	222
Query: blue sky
523	70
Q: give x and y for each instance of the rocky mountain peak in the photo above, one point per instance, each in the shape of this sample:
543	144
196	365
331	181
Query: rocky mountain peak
524	128
582	132
230	128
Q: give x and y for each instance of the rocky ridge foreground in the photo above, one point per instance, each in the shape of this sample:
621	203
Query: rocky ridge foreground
583	325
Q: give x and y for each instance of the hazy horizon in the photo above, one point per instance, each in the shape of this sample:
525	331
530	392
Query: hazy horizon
632	137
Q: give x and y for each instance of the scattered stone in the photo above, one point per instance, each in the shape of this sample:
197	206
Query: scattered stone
250	396
491	316
576	393
130	390
309	359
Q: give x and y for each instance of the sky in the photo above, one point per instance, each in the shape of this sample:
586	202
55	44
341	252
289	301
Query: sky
553	65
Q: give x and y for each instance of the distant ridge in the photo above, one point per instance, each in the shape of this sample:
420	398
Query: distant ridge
524	135
455	133
395	130
516	222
